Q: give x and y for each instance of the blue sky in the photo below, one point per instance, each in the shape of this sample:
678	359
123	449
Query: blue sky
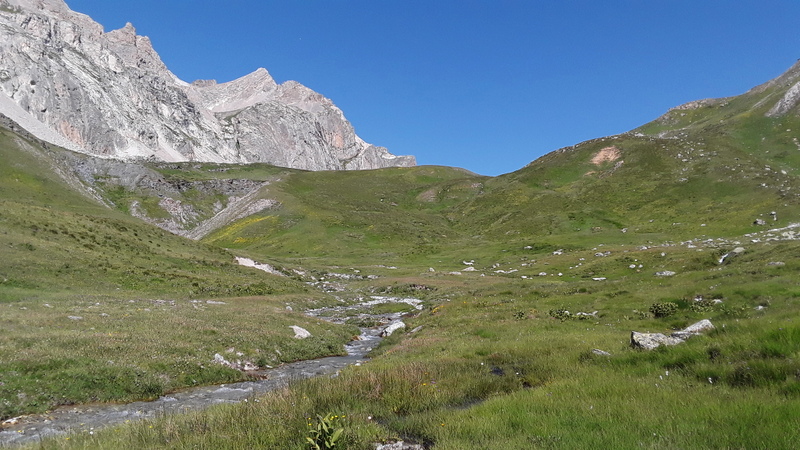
484	85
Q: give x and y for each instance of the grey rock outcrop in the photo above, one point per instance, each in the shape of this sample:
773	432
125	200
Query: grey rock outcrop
649	341
394	326
300	332
695	329
399	445
109	94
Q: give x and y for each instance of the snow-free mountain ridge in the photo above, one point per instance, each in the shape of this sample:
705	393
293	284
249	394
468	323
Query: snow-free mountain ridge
67	81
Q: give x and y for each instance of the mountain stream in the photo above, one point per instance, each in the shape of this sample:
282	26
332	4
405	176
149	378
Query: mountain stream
90	417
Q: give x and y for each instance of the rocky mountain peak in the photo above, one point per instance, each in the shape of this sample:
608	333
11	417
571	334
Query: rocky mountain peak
134	50
33	5
109	94
243	92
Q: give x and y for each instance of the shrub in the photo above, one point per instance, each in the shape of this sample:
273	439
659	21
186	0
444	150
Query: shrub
663	309
702	306
560	314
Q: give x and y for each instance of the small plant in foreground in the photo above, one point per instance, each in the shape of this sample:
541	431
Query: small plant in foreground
325	433
663	309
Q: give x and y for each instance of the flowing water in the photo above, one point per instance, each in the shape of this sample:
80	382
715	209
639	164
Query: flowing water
90	417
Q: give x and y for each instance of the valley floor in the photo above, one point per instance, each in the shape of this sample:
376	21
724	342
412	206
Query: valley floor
500	358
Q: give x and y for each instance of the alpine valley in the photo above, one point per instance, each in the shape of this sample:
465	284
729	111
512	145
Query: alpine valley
637	290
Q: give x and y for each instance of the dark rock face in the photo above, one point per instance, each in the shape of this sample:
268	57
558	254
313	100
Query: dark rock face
109	94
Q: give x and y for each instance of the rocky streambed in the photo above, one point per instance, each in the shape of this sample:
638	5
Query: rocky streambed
90	417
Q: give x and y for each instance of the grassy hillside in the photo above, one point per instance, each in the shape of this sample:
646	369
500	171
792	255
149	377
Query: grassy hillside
370	216
97	305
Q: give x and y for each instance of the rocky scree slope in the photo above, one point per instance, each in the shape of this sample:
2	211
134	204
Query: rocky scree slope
109	94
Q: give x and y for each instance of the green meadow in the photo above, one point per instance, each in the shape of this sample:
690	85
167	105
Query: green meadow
637	232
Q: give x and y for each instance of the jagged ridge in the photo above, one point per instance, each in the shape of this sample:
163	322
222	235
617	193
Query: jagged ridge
109	94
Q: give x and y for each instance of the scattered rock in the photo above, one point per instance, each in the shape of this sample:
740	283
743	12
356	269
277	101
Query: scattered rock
759	222
776	263
12	421
300	333
649	341
249	366
238	365
735	252
219	359
74	317
394	326
599	352
399	445
694	329
247	262
665	273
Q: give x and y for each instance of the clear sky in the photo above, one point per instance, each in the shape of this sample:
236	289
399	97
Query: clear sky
485	85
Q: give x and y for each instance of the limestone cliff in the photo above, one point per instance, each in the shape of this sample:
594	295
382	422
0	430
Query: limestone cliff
109	94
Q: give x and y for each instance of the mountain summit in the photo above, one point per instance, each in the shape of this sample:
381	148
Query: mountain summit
109	94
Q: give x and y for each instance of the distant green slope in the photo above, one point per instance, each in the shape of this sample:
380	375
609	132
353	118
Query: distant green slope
385	214
654	189
55	239
709	168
